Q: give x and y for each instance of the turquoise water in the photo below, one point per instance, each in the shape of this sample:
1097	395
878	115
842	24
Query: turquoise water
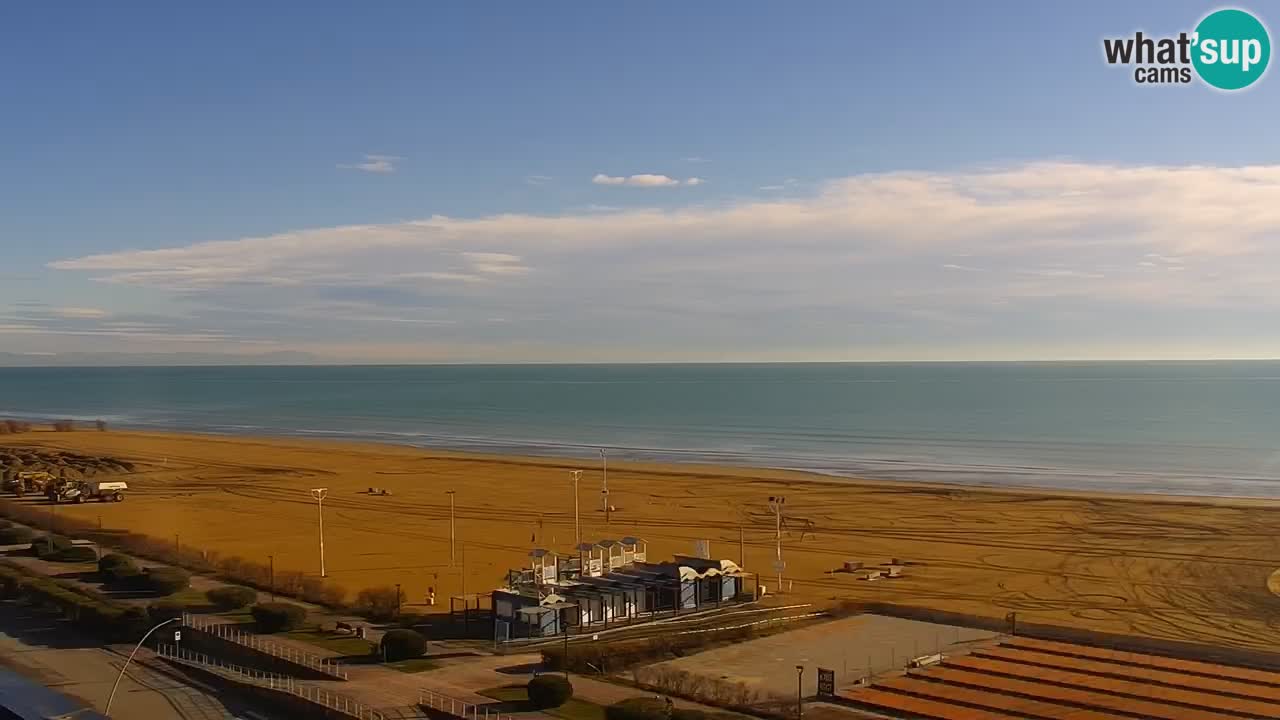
1191	428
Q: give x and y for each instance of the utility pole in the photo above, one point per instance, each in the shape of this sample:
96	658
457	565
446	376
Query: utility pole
776	504
577	524
604	483
452	537
320	494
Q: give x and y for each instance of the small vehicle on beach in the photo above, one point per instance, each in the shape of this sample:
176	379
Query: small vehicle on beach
79	491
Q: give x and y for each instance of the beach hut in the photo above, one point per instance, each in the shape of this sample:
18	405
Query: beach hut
545	565
614	554
633	550
592	558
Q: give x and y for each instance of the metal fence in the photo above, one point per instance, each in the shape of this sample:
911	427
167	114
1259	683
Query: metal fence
273	681
288	653
458	708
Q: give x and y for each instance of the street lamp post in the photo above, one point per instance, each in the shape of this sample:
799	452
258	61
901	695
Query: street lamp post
577	525
320	494
107	710
799	691
452	537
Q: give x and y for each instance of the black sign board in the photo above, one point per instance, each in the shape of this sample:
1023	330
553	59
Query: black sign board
826	682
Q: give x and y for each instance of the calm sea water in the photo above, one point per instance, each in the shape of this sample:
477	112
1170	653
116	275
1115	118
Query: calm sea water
1209	428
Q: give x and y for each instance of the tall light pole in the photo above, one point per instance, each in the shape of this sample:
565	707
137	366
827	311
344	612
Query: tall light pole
452	537
577	525
320	494
776	504
604	483
107	710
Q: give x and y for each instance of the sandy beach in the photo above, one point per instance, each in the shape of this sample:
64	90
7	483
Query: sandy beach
1191	569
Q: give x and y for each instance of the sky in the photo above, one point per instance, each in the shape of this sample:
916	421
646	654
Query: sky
627	182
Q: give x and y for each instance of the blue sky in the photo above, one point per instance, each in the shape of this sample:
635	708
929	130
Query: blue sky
288	161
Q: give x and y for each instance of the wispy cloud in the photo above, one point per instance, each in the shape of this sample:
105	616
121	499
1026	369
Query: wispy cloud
643	180
537	179
696	159
79	312
374	164
1005	252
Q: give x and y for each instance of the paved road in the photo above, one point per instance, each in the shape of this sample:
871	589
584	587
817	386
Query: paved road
39	646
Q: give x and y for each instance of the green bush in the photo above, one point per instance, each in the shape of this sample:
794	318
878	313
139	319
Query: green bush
114	565
231	597
75	553
402	644
638	708
166	580
277	616
15	535
549	691
165	610
46	545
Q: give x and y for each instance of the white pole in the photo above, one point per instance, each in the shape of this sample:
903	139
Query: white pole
604	486
452	555
775	504
577	525
107	710
319	494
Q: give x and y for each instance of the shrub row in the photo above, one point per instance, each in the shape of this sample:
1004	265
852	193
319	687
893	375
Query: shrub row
14	426
231	597
380	603
90	612
623	654
231	569
278	617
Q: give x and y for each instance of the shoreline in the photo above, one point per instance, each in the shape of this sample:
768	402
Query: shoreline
701	460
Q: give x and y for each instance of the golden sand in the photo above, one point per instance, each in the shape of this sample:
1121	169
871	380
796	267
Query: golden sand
1179	568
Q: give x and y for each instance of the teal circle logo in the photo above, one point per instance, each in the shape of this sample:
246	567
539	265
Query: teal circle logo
1232	49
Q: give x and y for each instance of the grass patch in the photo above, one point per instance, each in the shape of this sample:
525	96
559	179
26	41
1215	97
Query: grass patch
188	598
341	644
516	698
412	665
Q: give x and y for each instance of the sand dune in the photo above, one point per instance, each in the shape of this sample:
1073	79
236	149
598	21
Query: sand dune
1188	569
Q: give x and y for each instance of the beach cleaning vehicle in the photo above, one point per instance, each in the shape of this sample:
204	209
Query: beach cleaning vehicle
80	490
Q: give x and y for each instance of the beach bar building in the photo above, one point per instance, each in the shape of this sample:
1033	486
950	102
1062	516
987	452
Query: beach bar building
611	582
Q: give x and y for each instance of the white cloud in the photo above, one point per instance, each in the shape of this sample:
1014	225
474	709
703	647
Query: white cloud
695	181
374	164
641	180
79	312
879	251
538	179
696	159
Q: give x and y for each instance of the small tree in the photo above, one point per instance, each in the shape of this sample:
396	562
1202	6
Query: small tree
167	580
403	644
63	425
231	597
638	708
117	569
380	603
278	617
549	691
101	425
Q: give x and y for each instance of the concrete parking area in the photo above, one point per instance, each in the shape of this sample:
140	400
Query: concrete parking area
852	647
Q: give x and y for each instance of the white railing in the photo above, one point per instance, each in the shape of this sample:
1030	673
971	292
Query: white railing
273	681
288	653
457	708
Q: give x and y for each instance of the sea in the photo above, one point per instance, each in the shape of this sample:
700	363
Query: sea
1187	428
